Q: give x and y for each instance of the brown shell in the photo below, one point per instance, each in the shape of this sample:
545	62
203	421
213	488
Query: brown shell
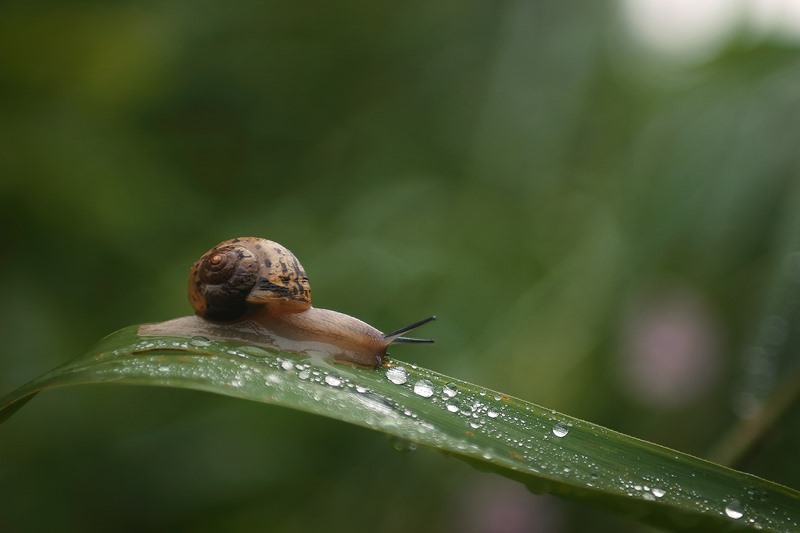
246	272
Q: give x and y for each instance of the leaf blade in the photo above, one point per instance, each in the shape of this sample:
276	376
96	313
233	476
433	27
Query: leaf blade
548	451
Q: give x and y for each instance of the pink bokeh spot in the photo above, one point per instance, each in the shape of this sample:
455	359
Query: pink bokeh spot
670	348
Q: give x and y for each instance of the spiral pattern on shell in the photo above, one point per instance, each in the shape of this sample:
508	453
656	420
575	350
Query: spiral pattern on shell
246	272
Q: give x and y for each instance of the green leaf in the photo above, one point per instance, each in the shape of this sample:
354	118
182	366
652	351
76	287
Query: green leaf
545	450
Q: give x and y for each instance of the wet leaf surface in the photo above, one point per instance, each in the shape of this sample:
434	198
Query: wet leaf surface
547	451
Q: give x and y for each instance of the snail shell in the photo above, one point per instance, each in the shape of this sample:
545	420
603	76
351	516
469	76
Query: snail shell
258	280
247	272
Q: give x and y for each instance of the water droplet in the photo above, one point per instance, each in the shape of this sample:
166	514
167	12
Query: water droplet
255	351
648	496
273	379
452	408
397	375
361	389
200	341
492	413
333	380
450	390
734	509
658	493
287	365
560	430
423	388
304	374
402	445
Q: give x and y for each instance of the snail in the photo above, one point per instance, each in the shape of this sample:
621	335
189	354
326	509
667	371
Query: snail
258	280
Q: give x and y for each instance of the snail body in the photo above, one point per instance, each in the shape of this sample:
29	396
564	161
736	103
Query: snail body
258	280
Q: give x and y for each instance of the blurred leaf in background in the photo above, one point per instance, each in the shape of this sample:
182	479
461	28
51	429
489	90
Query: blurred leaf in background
603	198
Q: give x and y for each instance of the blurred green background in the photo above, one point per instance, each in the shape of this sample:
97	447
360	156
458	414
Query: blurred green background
605	226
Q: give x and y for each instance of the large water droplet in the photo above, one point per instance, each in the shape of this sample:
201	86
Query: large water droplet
333	380
450	390
286	364
397	375
452	408
200	341
491	413
256	351
658	493
560	430
423	388
734	509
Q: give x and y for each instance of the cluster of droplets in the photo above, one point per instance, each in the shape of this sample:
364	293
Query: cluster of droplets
277	373
149	353
523	441
343	395
520	439
642	489
734	507
474	411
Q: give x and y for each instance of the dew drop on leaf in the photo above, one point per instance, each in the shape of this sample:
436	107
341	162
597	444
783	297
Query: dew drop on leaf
397	375
200	341
734	509
560	430
403	445
333	380
423	388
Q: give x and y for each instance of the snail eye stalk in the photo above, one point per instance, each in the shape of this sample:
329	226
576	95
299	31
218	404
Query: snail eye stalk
397	338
